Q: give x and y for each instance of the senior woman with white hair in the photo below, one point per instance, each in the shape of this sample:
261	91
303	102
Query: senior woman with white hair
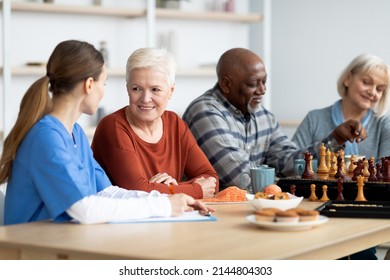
145	147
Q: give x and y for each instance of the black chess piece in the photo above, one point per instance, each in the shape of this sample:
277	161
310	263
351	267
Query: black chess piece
307	173
371	169
383	165
340	195
358	170
386	170
378	174
292	189
339	173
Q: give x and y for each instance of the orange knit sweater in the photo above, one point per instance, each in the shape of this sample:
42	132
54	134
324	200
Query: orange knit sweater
130	162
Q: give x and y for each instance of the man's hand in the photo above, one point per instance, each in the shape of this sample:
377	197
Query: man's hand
351	131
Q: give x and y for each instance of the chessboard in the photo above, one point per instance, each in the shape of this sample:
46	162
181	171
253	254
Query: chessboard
373	191
355	209
363	179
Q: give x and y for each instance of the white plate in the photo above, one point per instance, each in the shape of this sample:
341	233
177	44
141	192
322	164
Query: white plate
224	202
288	226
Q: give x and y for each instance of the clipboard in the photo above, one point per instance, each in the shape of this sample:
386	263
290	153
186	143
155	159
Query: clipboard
192	216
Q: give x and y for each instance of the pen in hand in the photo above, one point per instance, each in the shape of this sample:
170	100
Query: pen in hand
204	213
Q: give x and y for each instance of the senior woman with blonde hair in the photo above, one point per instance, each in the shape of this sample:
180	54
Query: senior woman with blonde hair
145	147
363	87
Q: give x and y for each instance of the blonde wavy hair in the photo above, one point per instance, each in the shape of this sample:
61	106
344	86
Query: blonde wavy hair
366	63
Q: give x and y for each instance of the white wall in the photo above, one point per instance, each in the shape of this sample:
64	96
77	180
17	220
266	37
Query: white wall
35	35
313	40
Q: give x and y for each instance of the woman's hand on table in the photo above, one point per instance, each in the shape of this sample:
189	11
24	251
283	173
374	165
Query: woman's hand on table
163	178
184	203
208	186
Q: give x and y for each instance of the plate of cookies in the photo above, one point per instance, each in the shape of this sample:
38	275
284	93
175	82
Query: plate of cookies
287	220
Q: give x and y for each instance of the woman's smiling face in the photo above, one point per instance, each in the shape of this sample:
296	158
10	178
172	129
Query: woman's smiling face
149	93
364	90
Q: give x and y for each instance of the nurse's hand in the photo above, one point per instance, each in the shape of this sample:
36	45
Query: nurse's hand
182	203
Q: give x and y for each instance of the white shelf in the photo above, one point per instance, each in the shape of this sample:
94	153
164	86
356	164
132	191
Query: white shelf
148	13
206	15
74	9
115	72
133	13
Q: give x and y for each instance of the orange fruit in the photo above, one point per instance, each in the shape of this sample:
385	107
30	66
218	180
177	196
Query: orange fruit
272	189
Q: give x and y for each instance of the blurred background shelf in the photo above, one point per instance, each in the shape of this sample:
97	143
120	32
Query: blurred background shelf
113	71
77	9
160	13
197	34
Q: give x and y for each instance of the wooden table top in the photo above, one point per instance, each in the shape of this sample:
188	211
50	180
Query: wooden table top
230	237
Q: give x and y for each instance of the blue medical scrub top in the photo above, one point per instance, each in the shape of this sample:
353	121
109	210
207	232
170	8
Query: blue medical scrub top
52	170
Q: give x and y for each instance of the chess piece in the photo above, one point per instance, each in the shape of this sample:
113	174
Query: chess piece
308	172
322	168
360	192
371	170
324	197
366	173
386	170
292	189
378	174
382	165
328	158
339	172
321	176
358	169
333	167
313	196
340	195
311	162
351	166
343	167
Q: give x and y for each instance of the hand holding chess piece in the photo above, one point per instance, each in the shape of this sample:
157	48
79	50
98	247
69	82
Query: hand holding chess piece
350	130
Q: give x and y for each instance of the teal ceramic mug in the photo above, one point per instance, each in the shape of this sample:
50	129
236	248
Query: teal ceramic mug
260	177
300	164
